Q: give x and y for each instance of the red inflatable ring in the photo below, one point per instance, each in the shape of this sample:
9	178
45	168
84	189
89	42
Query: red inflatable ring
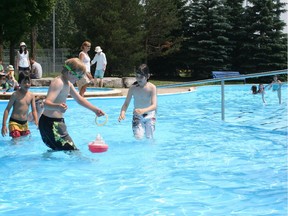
98	147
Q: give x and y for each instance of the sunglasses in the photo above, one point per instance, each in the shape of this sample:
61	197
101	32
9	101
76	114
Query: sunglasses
72	72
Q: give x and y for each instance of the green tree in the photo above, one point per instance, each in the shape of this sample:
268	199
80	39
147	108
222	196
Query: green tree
237	33
170	56
160	21
65	27
265	47
116	26
208	42
18	18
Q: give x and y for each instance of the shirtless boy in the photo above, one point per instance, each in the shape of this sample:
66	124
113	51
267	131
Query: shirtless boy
51	123
145	104
20	101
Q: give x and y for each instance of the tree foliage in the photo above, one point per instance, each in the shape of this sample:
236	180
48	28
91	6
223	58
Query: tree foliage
65	27
208	41
170	35
265	47
19	17
116	26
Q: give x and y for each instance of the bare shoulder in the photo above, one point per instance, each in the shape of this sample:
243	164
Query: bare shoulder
30	94
14	95
151	86
132	88
57	81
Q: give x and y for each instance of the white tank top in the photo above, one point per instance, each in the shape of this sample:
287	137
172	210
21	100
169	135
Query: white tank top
86	61
23	61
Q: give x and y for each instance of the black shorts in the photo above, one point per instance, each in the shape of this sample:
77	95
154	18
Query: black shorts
54	134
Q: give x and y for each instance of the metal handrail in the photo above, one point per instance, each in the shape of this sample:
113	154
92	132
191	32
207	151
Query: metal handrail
222	80
269	73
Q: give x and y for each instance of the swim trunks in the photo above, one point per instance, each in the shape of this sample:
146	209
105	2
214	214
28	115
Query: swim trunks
99	74
54	134
144	124
18	128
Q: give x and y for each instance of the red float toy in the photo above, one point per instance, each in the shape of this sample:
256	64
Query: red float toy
98	145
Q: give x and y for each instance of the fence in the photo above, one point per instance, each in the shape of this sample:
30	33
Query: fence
45	58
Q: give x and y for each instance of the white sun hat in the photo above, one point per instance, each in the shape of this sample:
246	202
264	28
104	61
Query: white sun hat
98	49
10	67
22	44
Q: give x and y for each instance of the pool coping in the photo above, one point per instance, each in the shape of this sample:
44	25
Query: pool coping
115	92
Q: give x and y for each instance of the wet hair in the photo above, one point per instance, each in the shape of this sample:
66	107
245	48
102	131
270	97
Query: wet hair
24	77
143	70
76	65
254	89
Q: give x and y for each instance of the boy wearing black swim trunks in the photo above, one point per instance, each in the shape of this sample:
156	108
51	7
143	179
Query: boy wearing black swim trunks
51	123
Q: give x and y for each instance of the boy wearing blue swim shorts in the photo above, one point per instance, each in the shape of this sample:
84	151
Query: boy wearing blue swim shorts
145	104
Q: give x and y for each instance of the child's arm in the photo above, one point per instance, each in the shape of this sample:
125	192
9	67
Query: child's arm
4	130
93	61
125	105
83	102
34	111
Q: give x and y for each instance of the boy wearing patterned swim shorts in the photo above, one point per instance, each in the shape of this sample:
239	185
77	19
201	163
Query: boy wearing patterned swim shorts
145	104
20	101
52	126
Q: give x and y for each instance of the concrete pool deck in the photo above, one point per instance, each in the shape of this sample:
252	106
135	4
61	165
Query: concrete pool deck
115	92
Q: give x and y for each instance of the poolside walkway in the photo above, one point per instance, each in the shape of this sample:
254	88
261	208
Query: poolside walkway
116	92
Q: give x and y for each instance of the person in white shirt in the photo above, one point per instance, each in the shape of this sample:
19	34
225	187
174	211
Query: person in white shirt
36	69
100	59
22	62
87	77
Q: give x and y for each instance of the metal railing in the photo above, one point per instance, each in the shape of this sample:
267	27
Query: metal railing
222	80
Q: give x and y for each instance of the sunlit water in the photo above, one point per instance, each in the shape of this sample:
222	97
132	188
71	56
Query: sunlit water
89	89
197	164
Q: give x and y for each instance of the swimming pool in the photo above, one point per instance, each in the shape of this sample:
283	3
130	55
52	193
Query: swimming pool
197	164
90	92
89	89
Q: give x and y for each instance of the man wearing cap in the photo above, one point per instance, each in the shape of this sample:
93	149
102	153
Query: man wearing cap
22	62
100	59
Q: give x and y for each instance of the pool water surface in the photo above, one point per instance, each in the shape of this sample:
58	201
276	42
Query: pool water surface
197	164
89	89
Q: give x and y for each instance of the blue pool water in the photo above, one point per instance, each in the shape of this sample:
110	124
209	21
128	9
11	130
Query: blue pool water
89	89
197	164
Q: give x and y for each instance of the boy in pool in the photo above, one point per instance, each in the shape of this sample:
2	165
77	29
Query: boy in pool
20	101
51	123
145	104
276	86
